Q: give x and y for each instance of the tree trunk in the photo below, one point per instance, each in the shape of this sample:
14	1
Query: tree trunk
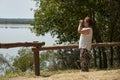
95	61
100	58
111	56
104	58
118	52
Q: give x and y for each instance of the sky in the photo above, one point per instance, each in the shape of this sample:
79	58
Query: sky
17	8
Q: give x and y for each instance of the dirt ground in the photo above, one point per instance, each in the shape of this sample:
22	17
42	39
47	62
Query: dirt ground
93	75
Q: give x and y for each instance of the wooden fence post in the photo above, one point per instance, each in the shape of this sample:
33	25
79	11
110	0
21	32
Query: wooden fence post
36	58
36	62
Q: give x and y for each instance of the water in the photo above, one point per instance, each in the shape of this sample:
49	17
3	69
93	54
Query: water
10	33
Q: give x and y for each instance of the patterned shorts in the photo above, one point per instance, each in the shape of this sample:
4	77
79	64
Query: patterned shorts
84	60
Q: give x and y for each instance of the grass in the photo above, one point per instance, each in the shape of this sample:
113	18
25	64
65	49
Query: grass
65	75
12	74
50	73
31	74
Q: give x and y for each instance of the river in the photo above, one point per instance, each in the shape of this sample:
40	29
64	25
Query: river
10	33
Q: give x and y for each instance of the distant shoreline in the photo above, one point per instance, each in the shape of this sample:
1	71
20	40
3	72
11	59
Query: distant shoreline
15	21
15	26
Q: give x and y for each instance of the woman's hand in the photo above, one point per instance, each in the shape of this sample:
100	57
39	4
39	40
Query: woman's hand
81	21
80	25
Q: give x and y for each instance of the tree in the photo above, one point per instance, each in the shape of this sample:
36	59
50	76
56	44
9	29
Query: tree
60	17
56	17
24	60
44	59
5	65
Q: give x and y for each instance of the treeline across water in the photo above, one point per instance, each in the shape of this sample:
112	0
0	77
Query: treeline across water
15	21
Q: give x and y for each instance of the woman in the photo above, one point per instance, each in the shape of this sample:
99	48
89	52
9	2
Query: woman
85	42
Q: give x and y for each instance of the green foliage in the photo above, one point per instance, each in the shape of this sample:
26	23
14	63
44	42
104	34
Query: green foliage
60	59
24	60
44	59
68	59
60	18
6	64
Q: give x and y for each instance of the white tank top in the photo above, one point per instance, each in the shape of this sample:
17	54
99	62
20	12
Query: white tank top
86	39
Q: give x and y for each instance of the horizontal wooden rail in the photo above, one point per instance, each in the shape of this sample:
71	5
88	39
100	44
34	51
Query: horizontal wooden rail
59	47
106	44
20	44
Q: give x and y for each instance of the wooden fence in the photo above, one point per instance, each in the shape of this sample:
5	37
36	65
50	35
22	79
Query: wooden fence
37	50
34	44
39	46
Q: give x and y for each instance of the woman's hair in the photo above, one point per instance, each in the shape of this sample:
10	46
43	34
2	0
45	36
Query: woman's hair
89	20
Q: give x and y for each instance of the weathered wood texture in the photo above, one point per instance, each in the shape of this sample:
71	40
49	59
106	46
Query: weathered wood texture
37	44
20	44
76	46
36	63
106	44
